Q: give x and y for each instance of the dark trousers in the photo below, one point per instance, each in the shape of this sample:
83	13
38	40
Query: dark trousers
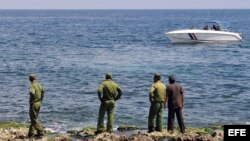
171	116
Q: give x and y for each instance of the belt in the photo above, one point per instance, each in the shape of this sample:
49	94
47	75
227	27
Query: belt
158	102
37	100
107	100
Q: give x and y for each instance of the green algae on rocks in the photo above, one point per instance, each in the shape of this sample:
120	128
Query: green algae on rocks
13	124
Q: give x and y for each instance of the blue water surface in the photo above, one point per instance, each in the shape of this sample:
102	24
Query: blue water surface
71	50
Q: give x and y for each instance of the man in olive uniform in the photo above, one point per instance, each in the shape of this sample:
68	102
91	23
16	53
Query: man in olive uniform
107	94
157	97
175	104
36	97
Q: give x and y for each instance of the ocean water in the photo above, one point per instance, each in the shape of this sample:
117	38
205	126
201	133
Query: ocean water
71	50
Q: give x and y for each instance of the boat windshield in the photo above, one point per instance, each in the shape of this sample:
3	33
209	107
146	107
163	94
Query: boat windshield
215	25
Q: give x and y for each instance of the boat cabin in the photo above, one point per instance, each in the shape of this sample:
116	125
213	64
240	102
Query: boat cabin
214	25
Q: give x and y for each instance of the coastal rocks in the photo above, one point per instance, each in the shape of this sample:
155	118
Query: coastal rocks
62	137
114	137
188	136
157	136
18	132
109	137
140	137
13	133
219	134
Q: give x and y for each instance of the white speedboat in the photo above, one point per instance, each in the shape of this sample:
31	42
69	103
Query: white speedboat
212	32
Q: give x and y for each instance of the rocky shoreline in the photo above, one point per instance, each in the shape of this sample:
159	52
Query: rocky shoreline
12	131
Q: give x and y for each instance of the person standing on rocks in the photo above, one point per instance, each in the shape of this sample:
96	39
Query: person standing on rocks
107	94
175	102
157	97
36	97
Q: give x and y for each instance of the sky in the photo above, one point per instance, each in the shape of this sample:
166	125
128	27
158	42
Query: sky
124	4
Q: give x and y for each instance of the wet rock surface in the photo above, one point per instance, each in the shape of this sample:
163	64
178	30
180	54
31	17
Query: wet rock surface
19	133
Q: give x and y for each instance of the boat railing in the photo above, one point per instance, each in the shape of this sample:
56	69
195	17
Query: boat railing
218	25
224	27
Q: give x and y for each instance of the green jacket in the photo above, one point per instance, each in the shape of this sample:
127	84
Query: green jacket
36	92
157	92
109	90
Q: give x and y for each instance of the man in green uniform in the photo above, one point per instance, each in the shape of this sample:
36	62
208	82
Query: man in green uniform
157	97
107	94
36	97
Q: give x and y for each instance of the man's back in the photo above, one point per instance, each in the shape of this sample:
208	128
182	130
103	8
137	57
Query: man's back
109	89
175	96
158	92
36	92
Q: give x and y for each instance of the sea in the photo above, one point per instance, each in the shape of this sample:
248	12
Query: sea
70	51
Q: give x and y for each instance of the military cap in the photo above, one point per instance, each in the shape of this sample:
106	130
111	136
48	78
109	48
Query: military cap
157	76
32	76
109	75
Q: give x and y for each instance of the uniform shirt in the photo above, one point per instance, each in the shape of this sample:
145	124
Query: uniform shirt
175	96
36	92
157	92
109	90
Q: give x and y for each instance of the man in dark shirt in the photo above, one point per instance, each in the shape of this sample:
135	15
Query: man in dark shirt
175	101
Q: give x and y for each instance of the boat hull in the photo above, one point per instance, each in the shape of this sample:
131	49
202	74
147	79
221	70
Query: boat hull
185	36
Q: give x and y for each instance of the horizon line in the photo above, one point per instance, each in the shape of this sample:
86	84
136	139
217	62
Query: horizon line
124	9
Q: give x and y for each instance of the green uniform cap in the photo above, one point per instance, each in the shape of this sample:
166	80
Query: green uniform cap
158	76
109	75
32	76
